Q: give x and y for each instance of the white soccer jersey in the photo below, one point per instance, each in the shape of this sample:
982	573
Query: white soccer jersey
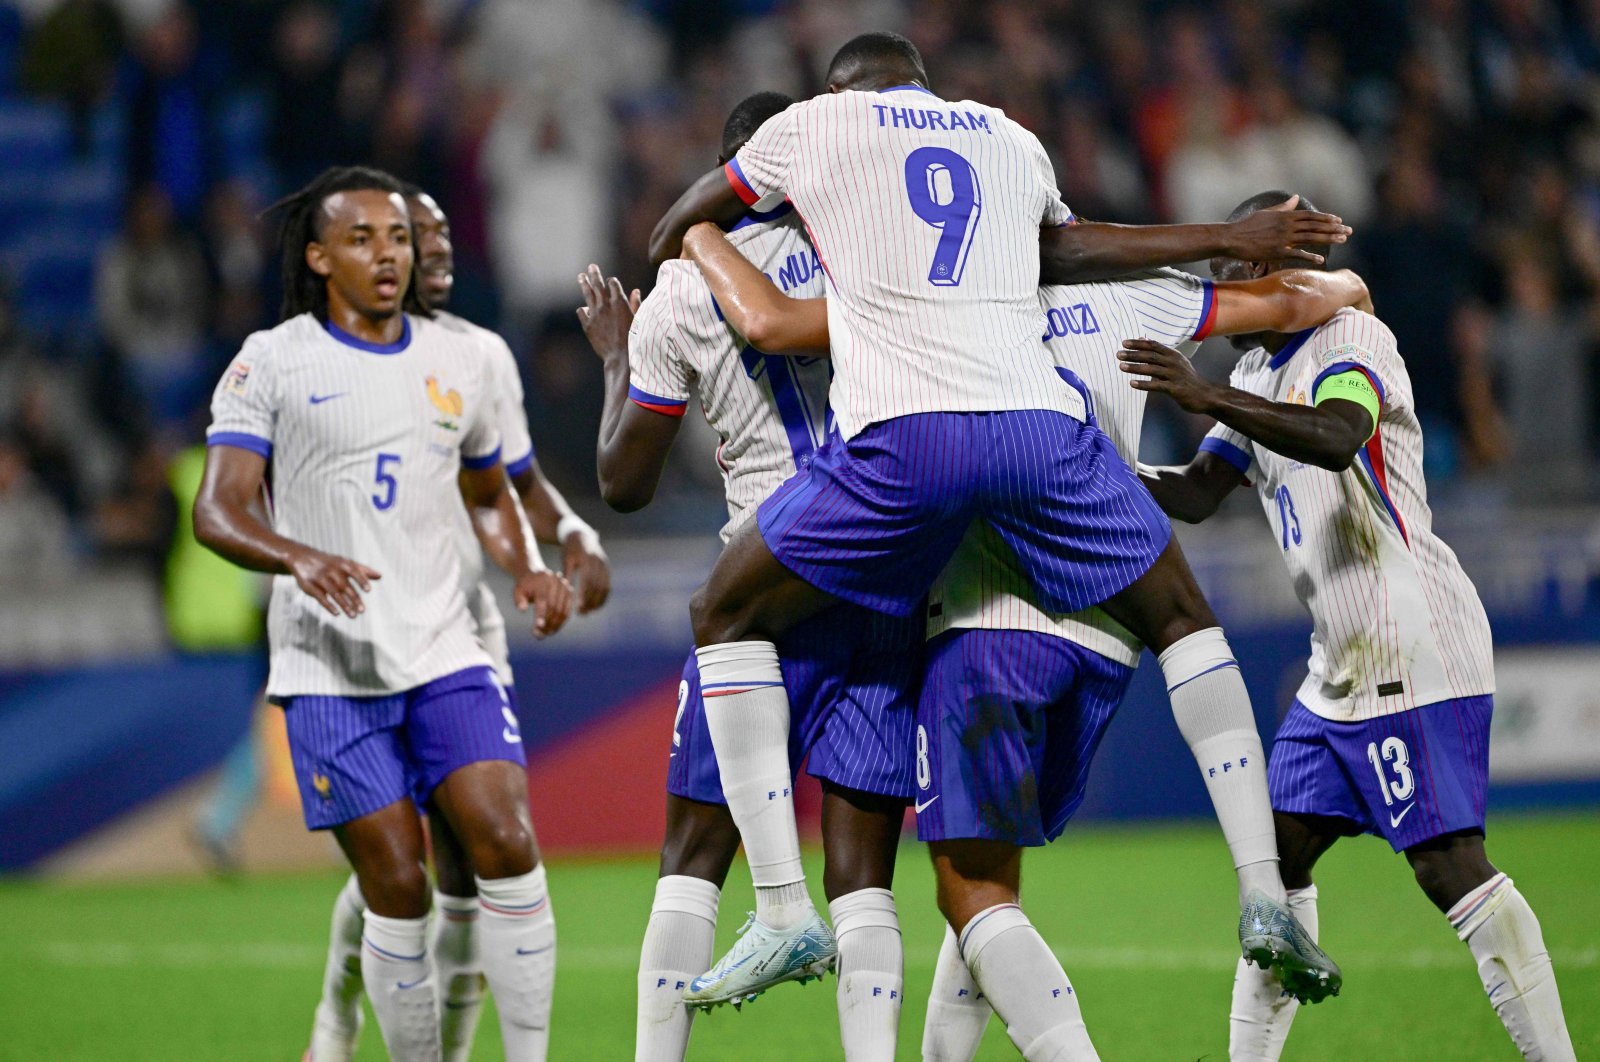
1083	327
365	444
1396	622
926	218
516	447
771	411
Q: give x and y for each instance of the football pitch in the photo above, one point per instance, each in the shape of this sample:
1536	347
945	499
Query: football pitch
1142	918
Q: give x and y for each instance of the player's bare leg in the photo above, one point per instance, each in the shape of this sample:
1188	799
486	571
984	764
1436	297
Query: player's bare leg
453	941
680	940
1166	610
748	600
1262	1010
486	805
1495	922
979	888
386	848
860	840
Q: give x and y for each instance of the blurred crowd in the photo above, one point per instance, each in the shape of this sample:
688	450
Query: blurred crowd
1460	138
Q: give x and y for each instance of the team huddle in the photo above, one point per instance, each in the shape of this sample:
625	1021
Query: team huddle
941	565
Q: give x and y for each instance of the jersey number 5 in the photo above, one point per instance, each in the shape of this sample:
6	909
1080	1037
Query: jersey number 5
943	189
386	482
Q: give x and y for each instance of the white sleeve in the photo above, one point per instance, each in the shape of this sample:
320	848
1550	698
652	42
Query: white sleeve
1054	213
1173	307
761	168
516	444
658	377
480	442
1353	340
244	407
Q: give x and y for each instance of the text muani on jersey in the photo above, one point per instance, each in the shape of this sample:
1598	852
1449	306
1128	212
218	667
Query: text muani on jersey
926	118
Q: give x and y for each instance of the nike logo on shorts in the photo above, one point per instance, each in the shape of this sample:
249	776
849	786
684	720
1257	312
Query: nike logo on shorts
1394	820
921	804
317	400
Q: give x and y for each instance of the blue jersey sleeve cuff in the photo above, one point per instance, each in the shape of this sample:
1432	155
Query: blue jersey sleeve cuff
520	465
241	440
488	460
1227	451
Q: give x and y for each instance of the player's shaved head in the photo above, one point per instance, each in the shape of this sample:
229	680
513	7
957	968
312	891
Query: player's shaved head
876	61
1277	197
750	114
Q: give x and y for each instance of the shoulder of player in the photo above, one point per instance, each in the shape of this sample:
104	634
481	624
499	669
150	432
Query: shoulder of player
491	342
1352	328
679	299
283	340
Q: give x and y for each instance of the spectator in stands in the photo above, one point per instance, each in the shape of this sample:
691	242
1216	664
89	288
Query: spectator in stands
34	532
171	140
151	303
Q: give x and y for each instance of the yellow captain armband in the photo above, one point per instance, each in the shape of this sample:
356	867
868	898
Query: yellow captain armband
1352	385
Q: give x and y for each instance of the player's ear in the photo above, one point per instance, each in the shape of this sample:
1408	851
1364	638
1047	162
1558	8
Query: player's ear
1258	270
317	259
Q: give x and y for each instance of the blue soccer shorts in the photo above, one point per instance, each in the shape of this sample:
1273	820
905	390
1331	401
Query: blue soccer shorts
1407	777
873	519
355	755
1007	726
852	677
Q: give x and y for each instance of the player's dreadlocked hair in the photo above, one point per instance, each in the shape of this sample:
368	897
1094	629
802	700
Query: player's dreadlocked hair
303	290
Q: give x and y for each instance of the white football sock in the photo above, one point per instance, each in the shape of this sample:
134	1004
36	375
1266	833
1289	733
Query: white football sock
957	1008
1026	986
871	973
747	712
1212	709
399	980
1500	928
517	945
338	1021
453	941
678	947
1259	1020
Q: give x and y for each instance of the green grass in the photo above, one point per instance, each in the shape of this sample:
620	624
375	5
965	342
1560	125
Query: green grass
1141	917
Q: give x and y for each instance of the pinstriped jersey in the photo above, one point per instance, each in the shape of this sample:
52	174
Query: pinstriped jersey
516	448
1396	622
925	215
1082	328
365	444
771	411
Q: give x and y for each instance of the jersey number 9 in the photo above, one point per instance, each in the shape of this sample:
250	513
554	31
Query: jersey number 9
943	189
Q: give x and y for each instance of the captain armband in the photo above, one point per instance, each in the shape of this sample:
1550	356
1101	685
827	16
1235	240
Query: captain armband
1352	385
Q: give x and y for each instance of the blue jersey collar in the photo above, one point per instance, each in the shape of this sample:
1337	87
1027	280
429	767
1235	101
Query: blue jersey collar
909	88
757	217
373	348
1290	349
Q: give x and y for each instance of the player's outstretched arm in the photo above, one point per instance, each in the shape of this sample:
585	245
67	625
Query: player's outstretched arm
229	521
1327	435
773	322
583	560
1093	250
1191	493
1286	301
711	198
507	537
634	441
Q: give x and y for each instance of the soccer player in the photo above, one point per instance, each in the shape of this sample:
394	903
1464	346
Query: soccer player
851	673
369	413
927	217
1389	732
1017	698
453	934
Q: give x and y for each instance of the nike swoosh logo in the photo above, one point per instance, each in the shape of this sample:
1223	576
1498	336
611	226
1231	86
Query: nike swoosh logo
917	808
534	951
1394	820
402	985
317	400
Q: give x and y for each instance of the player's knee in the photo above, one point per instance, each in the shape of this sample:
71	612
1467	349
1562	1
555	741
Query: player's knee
714	622
1448	868
502	849
397	890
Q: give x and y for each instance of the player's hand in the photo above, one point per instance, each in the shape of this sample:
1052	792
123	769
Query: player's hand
1276	233
607	312
587	568
333	581
1169	373
549	595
